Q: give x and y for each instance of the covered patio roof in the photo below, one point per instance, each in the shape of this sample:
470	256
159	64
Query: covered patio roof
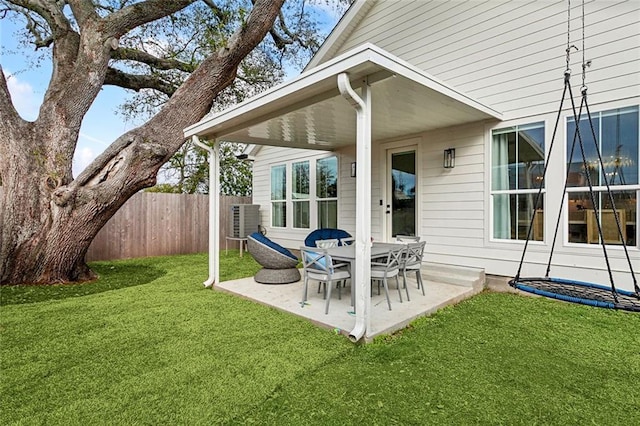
309	112
362	95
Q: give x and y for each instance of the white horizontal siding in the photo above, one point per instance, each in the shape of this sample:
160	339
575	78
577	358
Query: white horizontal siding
511	55
451	202
346	191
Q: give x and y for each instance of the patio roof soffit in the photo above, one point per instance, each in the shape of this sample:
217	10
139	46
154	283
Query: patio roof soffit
309	112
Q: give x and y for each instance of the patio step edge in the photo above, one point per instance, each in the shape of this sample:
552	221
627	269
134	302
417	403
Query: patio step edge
452	274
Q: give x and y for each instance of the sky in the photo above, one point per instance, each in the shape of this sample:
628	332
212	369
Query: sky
102	124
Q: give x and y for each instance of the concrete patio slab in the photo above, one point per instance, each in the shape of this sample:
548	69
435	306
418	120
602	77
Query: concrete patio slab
341	317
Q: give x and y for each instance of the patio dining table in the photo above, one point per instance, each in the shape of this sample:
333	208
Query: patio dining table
347	254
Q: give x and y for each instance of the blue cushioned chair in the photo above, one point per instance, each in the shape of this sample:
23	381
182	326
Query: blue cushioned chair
326	234
278	263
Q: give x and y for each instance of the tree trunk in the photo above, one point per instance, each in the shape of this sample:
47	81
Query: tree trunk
47	218
47	229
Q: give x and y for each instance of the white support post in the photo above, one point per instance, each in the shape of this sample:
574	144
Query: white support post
214	211
362	273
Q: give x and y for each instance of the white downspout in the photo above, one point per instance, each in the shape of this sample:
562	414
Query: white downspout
214	210
362	106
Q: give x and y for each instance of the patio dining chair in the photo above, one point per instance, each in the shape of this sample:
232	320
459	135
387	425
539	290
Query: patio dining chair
347	241
333	242
324	234
381	271
407	238
412	261
318	266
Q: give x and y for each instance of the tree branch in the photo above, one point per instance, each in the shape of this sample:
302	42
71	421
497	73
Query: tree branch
137	82
137	14
50	11
194	97
216	10
126	53
292	37
8	114
32	27
83	11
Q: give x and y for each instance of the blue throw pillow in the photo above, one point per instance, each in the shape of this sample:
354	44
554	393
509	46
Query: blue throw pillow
310	255
277	247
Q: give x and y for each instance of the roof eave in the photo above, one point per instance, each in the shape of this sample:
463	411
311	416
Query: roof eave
318	83
340	31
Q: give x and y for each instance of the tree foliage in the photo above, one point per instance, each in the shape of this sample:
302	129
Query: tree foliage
187	171
289	47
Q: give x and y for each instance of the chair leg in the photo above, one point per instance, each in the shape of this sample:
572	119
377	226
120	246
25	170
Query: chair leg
399	289
304	290
406	288
386	291
328	286
420	282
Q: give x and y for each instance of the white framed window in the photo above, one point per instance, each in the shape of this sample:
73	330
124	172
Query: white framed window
300	194
517	166
279	196
312	195
617	135
327	192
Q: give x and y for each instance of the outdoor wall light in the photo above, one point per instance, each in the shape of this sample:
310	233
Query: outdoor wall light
449	161
244	157
353	169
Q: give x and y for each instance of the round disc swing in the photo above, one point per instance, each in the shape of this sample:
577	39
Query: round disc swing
571	290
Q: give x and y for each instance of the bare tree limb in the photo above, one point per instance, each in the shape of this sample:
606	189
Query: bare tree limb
126	53
289	37
282	24
83	11
216	10
50	11
194	97
8	114
138	82
134	15
32	27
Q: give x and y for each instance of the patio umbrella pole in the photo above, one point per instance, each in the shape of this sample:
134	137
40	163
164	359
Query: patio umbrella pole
361	277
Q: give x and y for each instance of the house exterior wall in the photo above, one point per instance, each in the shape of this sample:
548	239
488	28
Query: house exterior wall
510	56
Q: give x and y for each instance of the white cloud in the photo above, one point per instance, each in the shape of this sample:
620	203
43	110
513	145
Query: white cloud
82	158
92	139
24	98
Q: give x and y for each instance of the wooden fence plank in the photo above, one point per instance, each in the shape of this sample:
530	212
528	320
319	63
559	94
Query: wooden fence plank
156	224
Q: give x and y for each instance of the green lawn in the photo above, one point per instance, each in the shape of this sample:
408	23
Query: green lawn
147	344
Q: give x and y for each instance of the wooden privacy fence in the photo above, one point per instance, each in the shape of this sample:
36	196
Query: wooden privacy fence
156	224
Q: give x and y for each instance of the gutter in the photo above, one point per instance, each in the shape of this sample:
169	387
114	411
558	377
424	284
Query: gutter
362	269
214	217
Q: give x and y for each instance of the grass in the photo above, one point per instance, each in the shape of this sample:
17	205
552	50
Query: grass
147	344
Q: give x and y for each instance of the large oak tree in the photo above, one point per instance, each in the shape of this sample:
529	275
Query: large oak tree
48	217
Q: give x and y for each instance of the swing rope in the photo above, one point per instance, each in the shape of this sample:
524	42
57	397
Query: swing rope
577	114
567	83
